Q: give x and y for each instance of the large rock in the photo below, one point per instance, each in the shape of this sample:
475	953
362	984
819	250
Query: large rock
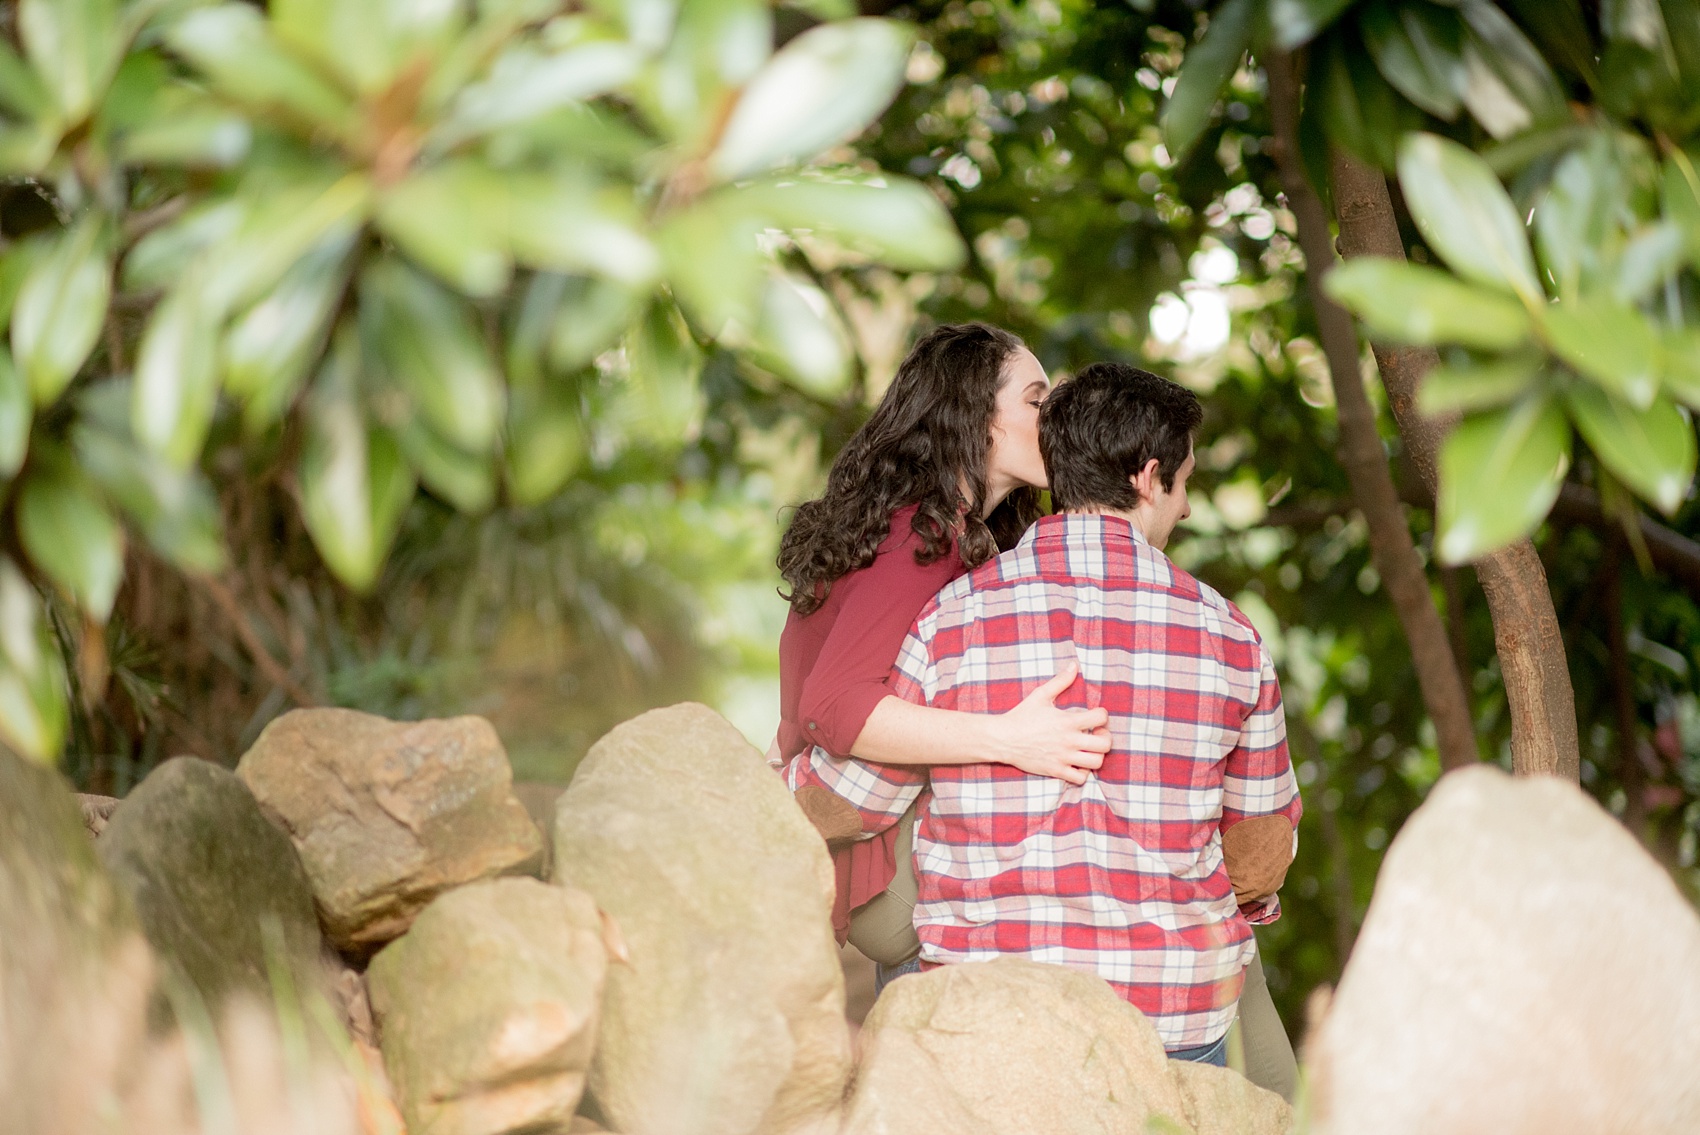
206	873
487	1008
729	1019
387	815
75	972
1009	1047
1524	967
1218	1101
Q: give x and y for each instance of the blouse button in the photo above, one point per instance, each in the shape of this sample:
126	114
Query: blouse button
812	725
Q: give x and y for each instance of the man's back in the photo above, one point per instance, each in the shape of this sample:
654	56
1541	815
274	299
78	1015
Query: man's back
1123	875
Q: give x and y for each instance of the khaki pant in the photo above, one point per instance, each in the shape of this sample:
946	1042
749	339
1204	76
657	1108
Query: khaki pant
884	930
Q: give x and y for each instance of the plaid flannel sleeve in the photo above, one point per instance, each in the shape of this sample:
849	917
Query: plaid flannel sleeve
1259	777
881	793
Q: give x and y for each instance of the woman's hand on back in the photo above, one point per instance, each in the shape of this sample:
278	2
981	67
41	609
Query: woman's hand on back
1042	739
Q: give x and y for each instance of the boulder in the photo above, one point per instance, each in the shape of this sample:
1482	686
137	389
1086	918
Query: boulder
729	1017
539	801
1219	1101
1009	1047
75	973
211	880
1524	967
487	1008
387	815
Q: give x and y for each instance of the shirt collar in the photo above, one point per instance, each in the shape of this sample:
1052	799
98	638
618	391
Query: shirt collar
1084	527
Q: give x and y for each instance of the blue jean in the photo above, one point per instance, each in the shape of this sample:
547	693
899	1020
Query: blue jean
885	975
1216	1054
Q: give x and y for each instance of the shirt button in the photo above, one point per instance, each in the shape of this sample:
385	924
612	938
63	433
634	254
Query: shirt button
812	725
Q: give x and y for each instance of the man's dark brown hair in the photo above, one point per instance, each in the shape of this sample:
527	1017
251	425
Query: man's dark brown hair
1098	430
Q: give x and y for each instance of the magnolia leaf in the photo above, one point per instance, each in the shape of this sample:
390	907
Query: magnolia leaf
33	712
1649	259
278	228
453	219
896	221
1650	449
714	260
1613	345
717	46
366	43
71	537
1480	386
1363	112
233	47
1681	197
1499	474
16	413
465	480
526	84
546	441
60	308
1296	22
1577	214
1682	366
176	387
1205	70
22	92
594	314
1466	215
563	224
183	127
75	48
1507	83
270	349
822	88
660	401
427	342
1416	48
1408	303
161	258
801	336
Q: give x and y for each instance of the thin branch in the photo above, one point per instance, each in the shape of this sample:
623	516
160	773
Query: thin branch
269	666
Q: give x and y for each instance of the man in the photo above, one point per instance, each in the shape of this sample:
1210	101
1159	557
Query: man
1125	874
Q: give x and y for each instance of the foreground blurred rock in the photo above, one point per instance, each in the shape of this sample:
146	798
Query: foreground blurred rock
1524	968
387	815
206	873
1012	1047
729	1019
487	1008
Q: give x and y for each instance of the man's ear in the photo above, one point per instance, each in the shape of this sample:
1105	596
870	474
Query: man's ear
1145	482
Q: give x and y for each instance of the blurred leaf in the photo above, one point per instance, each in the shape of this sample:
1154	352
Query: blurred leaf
1637	21
22	91
366	43
1650	449
1465	214
1613	345
648	23
278	227
161	257
1362	111
1647	261
822	88
660	401
563	223
1205	70
465	480
353	481
233	47
801	336
16	263
1296	22
1562	32
896	221
1455	389
176	509
1681	198
33	715
1522	452
429	344
183	127
594	315
1682	365
176	386
1416	48
1409	303
61	307
546	442
453	219
715	49
714	260
75	46
1507	84
270	349
526	84
71	537
16	413
1576	216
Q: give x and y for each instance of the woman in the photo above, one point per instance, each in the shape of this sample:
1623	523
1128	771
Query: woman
943	475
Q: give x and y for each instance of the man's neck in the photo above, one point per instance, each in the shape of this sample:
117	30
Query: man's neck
1134	516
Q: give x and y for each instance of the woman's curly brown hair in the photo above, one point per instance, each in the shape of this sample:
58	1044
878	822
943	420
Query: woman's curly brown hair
925	442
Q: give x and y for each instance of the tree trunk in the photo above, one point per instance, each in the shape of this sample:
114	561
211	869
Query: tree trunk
1525	626
1360	448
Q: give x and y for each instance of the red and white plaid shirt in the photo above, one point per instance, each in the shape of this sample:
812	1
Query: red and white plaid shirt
1123	875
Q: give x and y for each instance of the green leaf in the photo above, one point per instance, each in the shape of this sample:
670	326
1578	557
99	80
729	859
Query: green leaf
546	441
176	387
800	336
465	480
1205	70
160	258
71	537
233	47
562	223
428	344
183	127
1682	365
714	261
61	307
1651	449
1613	345
1562	32
33	715
1466	215
1507	83
16	263
270	349
717	46
1297	22
366	44
1681	198
660	402
279	226
1416	48
1478	386
1499	474
22	91
594	315
1362	112
1408	303
1650	258
353	481
16	413
822	88
526	84
893	221
1577	216
75	47
453	219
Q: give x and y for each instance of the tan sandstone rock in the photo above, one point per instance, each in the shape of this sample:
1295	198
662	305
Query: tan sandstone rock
1525	968
1009	1047
386	814
729	1017
487	1008
1219	1101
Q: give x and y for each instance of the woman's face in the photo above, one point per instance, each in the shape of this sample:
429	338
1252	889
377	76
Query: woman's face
1014	459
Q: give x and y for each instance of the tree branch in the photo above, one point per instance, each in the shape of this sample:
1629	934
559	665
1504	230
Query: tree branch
273	670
